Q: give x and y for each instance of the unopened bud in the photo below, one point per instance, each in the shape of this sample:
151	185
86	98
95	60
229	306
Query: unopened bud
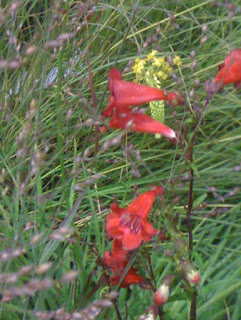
190	272
194	277
211	87
204	28
170	60
192	54
150	314
31	50
162	294
192	93
197	82
180	246
193	66
171	16
70	276
203	39
43	268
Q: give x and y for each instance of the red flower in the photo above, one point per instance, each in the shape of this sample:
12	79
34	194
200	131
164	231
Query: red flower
230	70
117	261
130	225
125	94
132	277
141	123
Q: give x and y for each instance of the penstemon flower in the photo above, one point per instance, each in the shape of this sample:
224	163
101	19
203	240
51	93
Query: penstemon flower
129	225
230	70
125	94
117	261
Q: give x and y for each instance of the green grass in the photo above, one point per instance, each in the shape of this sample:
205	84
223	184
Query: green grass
41	157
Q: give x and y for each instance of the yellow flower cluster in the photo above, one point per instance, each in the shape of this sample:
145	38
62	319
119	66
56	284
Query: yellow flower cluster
153	70
157	66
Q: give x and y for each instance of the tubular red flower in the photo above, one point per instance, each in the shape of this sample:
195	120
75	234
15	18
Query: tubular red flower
117	261
230	70
132	277
233	56
140	122
125	94
130	225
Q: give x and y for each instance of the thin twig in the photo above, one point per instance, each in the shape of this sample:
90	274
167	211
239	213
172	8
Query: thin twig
117	311
193	306
189	159
189	209
91	83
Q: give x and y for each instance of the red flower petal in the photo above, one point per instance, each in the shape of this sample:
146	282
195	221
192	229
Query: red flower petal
113	107
230	70
131	241
229	74
116	259
141	123
132	277
114	74
117	246
107	258
141	206
113	226
129	93
232	57
116	209
148	231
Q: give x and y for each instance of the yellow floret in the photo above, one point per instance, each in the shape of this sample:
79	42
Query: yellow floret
165	66
161	60
138	66
177	61
134	68
162	75
156	80
151	55
158	61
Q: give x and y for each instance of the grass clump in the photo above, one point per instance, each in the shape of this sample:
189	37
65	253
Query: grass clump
59	174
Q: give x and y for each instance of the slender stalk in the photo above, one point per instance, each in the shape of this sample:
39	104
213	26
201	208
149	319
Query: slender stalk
117	311
189	210
189	159
193	306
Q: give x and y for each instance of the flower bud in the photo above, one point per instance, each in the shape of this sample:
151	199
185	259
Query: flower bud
197	82
180	246
192	93
190	272
204	28
193	66
192	54
203	39
170	60
162	294
211	87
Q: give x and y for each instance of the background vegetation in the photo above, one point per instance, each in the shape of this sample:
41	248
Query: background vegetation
58	171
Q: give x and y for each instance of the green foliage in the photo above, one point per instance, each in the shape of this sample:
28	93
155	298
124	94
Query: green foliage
57	171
